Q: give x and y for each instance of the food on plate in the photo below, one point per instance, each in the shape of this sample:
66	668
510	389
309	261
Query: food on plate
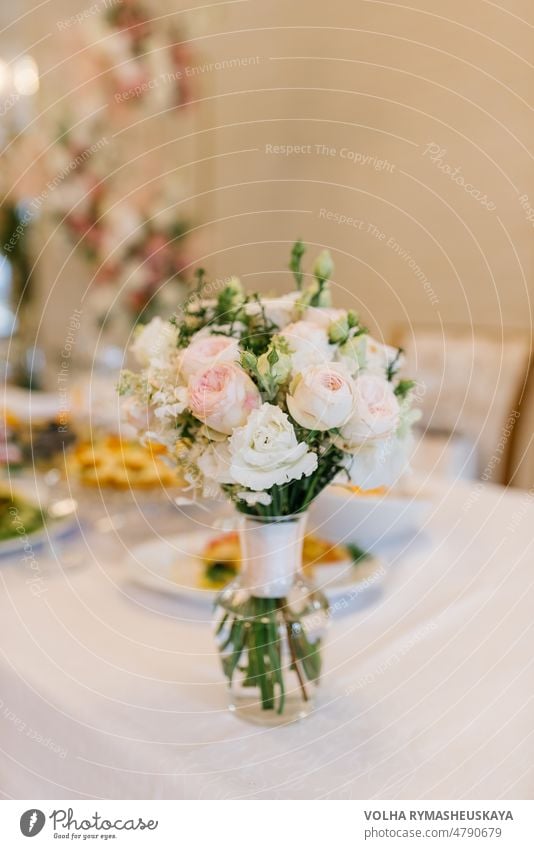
222	557
121	464
222	560
30	442
18	517
368	493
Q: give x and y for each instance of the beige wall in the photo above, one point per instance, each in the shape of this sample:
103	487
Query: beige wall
381	81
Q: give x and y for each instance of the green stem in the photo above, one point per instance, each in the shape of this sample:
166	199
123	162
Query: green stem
275	654
294	659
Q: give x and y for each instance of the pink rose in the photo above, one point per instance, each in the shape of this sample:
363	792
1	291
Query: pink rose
207	351
222	397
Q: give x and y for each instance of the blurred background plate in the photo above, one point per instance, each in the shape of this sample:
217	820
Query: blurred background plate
59	517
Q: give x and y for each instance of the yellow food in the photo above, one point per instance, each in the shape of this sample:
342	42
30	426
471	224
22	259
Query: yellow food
368	493
112	462
222	557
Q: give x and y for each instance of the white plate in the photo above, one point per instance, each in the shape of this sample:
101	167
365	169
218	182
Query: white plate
59	521
174	567
370	521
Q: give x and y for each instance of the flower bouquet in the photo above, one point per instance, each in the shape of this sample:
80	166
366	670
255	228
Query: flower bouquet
265	401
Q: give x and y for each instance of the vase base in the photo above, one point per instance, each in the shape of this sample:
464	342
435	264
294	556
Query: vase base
250	710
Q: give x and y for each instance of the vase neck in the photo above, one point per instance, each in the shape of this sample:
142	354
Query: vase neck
272	554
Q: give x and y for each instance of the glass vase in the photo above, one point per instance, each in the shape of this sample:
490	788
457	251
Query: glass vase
271	624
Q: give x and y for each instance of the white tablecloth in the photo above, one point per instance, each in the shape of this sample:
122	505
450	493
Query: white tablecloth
111	692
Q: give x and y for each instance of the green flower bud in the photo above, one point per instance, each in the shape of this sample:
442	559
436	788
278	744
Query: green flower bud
249	361
323	267
235	289
278	370
354	349
353	318
338	331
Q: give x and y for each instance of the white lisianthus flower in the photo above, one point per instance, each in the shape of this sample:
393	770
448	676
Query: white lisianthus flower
379	357
321	397
214	462
265	451
308	345
352	353
154	342
206	351
281	311
169	403
135	415
323	316
223	396
381	462
376	412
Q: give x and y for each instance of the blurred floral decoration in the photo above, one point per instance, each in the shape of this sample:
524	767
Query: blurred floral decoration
134	247
133	242
133	46
132	239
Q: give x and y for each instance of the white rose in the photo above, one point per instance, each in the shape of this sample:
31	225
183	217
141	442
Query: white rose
265	451
380	462
222	397
321	397
154	343
206	351
281	311
308	345
376	412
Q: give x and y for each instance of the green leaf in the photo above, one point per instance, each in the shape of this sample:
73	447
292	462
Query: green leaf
403	388
357	554
393	367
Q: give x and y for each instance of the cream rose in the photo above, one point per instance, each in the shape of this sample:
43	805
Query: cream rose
308	345
222	397
376	412
266	452
321	397
207	351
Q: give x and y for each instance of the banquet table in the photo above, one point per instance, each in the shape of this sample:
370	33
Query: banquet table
111	691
